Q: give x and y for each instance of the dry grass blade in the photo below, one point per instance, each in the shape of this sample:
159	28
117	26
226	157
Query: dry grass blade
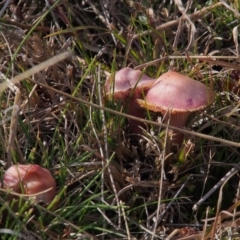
223	224
233	171
235	38
7	3
13	127
200	135
185	16
36	69
220	198
237	14
13	233
160	194
23	26
220	63
197	14
126	222
209	59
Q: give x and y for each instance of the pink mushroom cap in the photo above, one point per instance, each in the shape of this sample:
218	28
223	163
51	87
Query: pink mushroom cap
177	93
30	179
126	86
125	81
175	96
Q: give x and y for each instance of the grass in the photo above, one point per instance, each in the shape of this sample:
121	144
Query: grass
110	184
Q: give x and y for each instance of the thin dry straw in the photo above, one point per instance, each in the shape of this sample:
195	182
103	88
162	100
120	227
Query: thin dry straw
200	135
7	3
160	217
175	22
210	59
35	69
234	170
13	233
65	55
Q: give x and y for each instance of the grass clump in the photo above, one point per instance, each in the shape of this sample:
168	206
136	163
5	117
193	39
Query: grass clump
110	184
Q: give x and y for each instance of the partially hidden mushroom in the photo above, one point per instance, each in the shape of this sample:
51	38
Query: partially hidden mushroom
30	179
125	87
176	96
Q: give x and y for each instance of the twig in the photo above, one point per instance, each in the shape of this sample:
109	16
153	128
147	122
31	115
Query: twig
7	3
175	22
15	112
236	13
229	174
13	127
125	220
100	149
10	24
106	148
106	218
185	16
36	69
55	21
227	177
209	59
107	16
173	199
200	135
164	153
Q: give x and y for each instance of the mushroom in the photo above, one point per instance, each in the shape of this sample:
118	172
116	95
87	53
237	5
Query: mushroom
176	96
127	86
30	179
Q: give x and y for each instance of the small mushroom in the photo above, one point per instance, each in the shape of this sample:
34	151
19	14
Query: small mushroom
176	96
30	179
127	86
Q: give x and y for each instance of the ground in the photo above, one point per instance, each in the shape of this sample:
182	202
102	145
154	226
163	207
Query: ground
55	57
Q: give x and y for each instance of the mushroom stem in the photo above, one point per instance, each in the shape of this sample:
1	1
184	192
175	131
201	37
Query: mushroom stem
136	111
178	121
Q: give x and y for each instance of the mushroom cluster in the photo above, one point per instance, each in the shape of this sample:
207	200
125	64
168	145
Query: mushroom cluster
173	95
32	180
